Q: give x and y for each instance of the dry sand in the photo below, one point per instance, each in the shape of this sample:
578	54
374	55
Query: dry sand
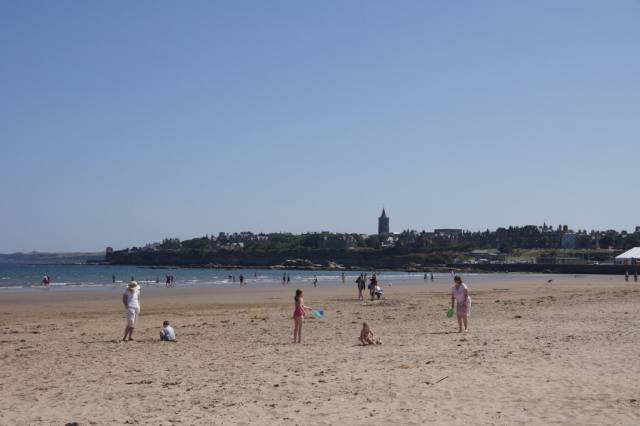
537	353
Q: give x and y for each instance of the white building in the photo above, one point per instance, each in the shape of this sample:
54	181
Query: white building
630	257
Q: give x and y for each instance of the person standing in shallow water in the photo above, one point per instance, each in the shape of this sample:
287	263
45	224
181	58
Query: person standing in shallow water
460	297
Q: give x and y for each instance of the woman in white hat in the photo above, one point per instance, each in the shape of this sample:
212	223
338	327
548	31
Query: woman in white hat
131	301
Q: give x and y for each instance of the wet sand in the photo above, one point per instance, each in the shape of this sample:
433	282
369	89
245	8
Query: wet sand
564	352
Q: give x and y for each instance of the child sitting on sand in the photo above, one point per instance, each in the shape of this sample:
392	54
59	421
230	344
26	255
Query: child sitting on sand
166	333
366	336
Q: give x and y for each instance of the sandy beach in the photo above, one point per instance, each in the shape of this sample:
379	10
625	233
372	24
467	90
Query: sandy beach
564	352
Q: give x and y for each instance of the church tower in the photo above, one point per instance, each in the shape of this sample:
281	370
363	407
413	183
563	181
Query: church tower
383	223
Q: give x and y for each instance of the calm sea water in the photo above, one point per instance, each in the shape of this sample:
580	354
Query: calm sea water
75	277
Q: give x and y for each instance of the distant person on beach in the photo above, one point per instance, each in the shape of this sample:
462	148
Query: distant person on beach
367	337
167	281
113	278
378	292
361	286
241	279
425	277
131	302
372	285
626	276
167	334
284	279
315	281
298	314
46	280
288	279
343	278
635	276
460	297
432	277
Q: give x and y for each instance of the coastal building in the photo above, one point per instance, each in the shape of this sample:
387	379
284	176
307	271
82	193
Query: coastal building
336	242
630	257
388	241
569	240
488	256
383	223
453	234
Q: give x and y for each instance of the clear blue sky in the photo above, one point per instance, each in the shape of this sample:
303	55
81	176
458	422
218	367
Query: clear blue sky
125	122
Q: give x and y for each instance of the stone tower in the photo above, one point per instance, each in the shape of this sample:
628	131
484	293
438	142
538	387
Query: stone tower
383	223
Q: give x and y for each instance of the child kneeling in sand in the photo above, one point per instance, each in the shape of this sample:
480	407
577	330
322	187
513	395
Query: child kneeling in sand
366	336
167	334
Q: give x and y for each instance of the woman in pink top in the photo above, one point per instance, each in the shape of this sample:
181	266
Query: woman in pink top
460	296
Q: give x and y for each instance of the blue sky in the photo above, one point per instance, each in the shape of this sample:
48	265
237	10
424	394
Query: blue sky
125	122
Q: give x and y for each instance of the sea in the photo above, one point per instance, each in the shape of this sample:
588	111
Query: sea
22	277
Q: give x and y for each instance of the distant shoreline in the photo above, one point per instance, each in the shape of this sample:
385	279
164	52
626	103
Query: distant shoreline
537	268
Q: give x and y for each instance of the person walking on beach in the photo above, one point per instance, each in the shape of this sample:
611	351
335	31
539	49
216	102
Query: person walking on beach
361	285
626	276
315	281
288	279
460	297
284	279
131	302
372	286
241	279
298	314
432	277
46	280
343	277
113	278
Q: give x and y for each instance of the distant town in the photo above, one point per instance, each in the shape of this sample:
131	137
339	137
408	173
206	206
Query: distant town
410	249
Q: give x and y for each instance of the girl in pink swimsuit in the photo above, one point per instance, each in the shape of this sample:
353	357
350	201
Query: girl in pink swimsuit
298	313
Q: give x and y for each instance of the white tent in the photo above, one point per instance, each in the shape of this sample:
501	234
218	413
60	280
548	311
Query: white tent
630	257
